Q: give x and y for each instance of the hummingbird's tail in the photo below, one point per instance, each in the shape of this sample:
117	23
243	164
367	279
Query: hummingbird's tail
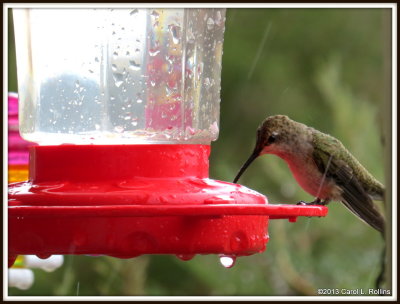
365	210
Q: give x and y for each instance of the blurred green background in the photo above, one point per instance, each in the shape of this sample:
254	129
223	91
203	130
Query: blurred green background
324	67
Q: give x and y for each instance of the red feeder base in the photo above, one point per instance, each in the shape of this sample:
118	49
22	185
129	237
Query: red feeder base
128	200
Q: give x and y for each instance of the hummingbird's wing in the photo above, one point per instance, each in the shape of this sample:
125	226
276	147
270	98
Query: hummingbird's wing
354	197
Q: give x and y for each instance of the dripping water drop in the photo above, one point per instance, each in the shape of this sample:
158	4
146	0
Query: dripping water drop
227	261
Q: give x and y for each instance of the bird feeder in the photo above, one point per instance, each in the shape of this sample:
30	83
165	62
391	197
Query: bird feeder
124	104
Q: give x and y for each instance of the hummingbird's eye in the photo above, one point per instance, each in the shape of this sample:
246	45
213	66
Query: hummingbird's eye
272	138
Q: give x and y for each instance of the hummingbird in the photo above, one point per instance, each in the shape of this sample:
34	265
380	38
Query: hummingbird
321	165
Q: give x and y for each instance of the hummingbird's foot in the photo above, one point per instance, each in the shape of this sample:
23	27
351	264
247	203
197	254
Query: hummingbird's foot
324	203
317	202
303	203
320	202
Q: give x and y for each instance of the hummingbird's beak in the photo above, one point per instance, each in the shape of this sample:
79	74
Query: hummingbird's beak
252	157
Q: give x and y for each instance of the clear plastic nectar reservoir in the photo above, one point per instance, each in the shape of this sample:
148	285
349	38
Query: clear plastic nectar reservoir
119	76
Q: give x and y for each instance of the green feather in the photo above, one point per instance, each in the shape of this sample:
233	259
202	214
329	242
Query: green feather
355	182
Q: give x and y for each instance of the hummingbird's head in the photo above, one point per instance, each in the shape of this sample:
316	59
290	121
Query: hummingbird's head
276	135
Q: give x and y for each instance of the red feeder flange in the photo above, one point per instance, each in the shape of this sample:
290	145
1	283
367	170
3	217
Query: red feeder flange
129	200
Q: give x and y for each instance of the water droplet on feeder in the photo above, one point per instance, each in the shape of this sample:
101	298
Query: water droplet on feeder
135	11
210	23
227	261
155	15
185	257
43	256
175	33
207	82
118	78
190	36
218	18
154	52
119	129
133	65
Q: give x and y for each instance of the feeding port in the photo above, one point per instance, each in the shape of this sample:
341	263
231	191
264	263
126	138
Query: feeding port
124	124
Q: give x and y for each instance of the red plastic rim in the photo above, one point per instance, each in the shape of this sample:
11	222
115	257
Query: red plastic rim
275	211
136	199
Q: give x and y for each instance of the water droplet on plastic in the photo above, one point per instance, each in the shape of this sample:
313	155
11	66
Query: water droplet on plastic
218	18
77	84
185	257
135	11
154	52
119	129
155	15
210	23
200	68
175	33
139	100
207	82
118	79
190	36
168	91
96	59
227	261
170	59
133	65
114	67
